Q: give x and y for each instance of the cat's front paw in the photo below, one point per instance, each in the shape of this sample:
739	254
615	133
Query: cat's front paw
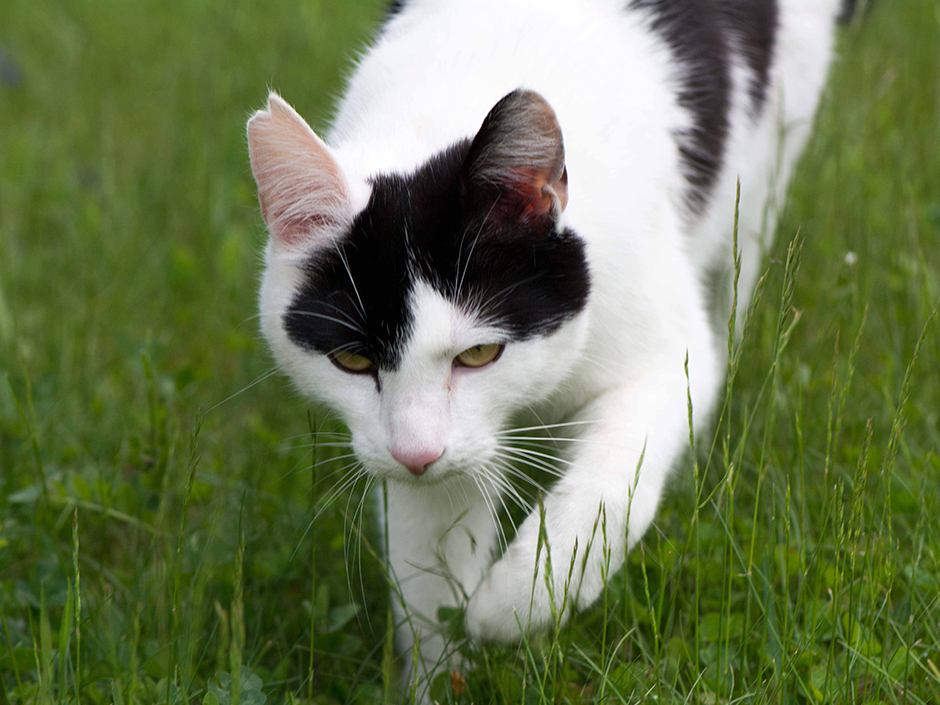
491	617
505	605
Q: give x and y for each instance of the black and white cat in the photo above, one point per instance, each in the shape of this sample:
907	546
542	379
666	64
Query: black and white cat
516	215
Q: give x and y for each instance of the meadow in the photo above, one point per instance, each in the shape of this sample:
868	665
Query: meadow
158	479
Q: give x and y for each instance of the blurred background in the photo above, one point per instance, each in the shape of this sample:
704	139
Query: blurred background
130	246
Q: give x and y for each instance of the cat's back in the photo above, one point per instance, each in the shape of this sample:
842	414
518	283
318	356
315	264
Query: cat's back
675	87
439	66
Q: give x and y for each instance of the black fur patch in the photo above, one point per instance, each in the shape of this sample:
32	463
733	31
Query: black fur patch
394	7
753	26
703	36
526	278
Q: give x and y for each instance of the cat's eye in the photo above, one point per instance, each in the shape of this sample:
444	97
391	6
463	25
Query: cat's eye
479	355
352	362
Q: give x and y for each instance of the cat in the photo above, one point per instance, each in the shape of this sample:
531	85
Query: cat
517	214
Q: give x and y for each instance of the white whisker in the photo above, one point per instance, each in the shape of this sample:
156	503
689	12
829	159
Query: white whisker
329	444
316	434
370	483
507	488
353	472
342	256
313	466
535	453
343	313
492	511
273	371
505	462
544	427
530	440
314	314
497	482
533	463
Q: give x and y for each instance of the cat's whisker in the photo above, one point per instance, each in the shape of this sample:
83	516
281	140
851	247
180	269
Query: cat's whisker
255	317
313	466
457	494
353	473
513	496
524	477
535	413
506	461
331	474
315	434
501	537
270	373
450	497
494	515
532	440
495	471
595	361
469	254
509	454
533	463
327	476
370	483
495	474
279	312
499	496
314	314
342	255
344	313
328	444
503	488
545	439
463	492
346	473
529	452
352	322
544	427
338	440
350	521
352	345
489	302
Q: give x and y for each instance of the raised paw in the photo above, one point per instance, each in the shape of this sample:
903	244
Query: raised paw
505	605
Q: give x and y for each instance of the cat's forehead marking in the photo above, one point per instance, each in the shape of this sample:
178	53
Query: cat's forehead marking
440	328
358	295
435	321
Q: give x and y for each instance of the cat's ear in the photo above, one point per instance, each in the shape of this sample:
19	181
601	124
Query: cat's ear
515	168
302	191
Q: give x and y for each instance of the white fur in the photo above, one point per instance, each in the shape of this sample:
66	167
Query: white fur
619	367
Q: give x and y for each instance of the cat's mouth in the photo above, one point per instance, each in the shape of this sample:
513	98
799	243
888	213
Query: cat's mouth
439	473
426	480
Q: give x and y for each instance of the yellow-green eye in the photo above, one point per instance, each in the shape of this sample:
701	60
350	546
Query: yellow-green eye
351	362
479	355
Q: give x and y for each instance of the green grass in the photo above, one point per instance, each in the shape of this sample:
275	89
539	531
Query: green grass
154	505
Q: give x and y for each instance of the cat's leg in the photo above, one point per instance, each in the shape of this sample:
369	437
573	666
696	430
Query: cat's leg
605	499
440	541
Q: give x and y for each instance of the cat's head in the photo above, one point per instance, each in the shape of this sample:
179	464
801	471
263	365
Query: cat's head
425	307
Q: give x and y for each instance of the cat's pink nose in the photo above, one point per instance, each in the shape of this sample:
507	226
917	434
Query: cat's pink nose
416	460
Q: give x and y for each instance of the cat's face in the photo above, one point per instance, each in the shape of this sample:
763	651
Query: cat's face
424	308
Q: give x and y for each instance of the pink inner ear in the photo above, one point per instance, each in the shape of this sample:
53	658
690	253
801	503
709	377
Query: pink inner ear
519	156
302	191
534	196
